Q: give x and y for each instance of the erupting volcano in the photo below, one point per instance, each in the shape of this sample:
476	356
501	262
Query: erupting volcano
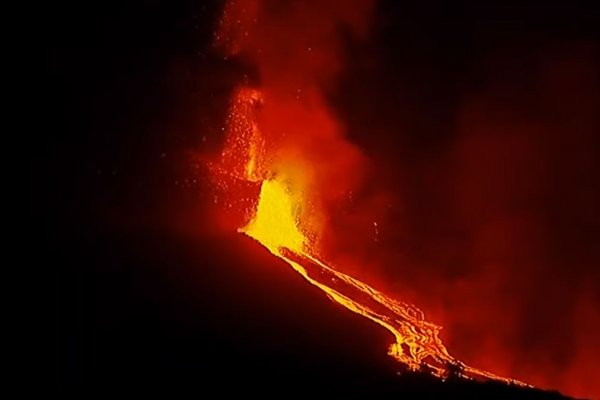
275	137
286	166
277	220
357	198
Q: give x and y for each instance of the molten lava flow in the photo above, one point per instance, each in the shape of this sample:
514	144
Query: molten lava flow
417	345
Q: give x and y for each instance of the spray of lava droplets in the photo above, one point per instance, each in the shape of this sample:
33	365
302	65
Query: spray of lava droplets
287	217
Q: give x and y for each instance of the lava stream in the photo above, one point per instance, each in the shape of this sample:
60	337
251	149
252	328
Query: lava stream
417	344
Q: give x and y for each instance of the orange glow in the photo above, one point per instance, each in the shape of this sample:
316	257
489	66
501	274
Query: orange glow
284	138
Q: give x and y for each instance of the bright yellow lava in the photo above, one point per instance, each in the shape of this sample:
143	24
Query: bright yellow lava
274	224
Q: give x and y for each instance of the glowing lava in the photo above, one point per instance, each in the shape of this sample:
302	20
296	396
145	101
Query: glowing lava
417	343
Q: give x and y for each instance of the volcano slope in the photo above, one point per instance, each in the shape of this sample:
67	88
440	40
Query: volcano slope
149	311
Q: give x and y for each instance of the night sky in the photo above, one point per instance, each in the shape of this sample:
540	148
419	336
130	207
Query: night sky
480	123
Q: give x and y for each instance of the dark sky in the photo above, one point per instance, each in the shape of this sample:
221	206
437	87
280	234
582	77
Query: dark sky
482	124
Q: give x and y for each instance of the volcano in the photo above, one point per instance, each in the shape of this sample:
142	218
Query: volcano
274	197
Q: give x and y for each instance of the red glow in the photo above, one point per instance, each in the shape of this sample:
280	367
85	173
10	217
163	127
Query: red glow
286	145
